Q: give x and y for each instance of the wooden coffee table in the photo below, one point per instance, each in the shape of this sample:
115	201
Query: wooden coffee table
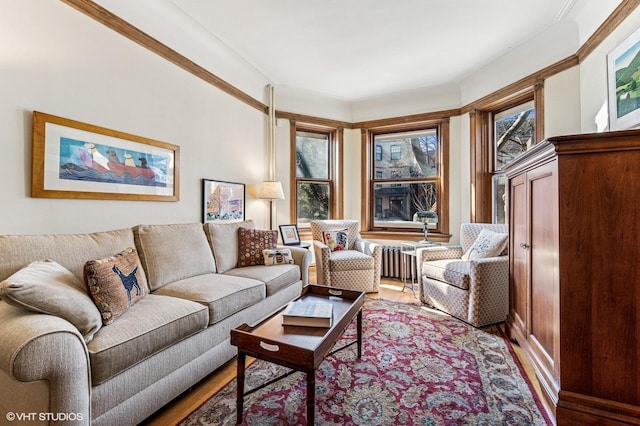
298	348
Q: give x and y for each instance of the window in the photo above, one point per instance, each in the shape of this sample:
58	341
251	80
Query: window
379	153
500	131
314	188
408	193
513	134
396	152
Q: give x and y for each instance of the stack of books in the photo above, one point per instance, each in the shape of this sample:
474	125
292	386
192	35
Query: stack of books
308	314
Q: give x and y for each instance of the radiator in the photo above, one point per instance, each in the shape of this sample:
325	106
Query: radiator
391	262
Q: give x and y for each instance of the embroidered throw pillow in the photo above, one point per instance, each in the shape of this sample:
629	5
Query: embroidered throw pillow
336	240
49	288
277	257
488	244
115	283
251	243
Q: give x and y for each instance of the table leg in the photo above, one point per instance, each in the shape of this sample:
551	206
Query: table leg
311	397
240	387
359	327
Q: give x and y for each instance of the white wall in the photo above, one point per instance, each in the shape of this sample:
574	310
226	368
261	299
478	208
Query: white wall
562	103
56	60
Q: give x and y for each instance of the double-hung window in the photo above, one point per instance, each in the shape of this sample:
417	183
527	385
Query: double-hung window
315	191
406	179
514	132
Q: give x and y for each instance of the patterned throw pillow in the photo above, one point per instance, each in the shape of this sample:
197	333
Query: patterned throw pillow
251	242
488	244
277	257
336	240
115	283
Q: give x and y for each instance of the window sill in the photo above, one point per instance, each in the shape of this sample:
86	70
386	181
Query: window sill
404	236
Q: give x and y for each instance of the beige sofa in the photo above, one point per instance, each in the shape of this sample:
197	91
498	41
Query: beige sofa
159	347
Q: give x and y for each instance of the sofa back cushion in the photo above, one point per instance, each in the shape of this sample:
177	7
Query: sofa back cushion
223	238
173	252
71	251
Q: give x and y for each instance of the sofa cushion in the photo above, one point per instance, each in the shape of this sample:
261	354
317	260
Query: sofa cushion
450	271
275	278
251	243
223	239
115	283
277	257
68	250
223	295
487	244
173	252
346	260
148	327
47	287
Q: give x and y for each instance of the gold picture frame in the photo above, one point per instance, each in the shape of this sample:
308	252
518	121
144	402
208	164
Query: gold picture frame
72	159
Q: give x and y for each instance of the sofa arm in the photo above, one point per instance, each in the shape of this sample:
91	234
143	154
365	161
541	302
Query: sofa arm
302	258
37	347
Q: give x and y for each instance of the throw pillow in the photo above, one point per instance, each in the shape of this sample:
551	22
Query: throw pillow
336	240
115	283
47	287
487	244
277	257
251	242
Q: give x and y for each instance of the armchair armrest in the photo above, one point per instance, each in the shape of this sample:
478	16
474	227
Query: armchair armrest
322	254
489	279
37	347
439	252
368	247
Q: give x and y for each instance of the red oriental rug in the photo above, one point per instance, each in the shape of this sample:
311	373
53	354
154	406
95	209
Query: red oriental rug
418	367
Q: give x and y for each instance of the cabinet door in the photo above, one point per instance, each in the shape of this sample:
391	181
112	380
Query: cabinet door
518	244
544	295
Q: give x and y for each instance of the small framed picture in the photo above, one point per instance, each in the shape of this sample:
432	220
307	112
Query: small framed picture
222	201
289	235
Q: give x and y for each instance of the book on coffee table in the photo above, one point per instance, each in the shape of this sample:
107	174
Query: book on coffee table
307	314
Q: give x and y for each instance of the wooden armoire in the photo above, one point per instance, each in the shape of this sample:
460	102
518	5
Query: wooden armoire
574	223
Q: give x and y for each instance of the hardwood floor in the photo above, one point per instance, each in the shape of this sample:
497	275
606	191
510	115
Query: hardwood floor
181	407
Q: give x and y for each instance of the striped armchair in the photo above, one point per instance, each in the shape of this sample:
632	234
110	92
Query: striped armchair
475	291
356	268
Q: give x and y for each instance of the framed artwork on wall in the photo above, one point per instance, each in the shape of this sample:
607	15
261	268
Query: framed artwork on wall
289	234
72	159
623	80
222	201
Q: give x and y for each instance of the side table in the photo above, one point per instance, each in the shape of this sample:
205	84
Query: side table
409	264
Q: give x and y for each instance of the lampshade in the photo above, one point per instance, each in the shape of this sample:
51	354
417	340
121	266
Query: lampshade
271	190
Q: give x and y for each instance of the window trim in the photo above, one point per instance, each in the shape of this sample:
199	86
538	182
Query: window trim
367	156
335	179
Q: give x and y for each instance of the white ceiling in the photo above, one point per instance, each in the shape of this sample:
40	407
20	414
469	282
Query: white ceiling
354	50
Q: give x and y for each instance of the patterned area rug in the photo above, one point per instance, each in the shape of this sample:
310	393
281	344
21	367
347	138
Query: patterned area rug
418	367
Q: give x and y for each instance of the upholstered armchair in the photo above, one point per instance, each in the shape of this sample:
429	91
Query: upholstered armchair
475	287
354	265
